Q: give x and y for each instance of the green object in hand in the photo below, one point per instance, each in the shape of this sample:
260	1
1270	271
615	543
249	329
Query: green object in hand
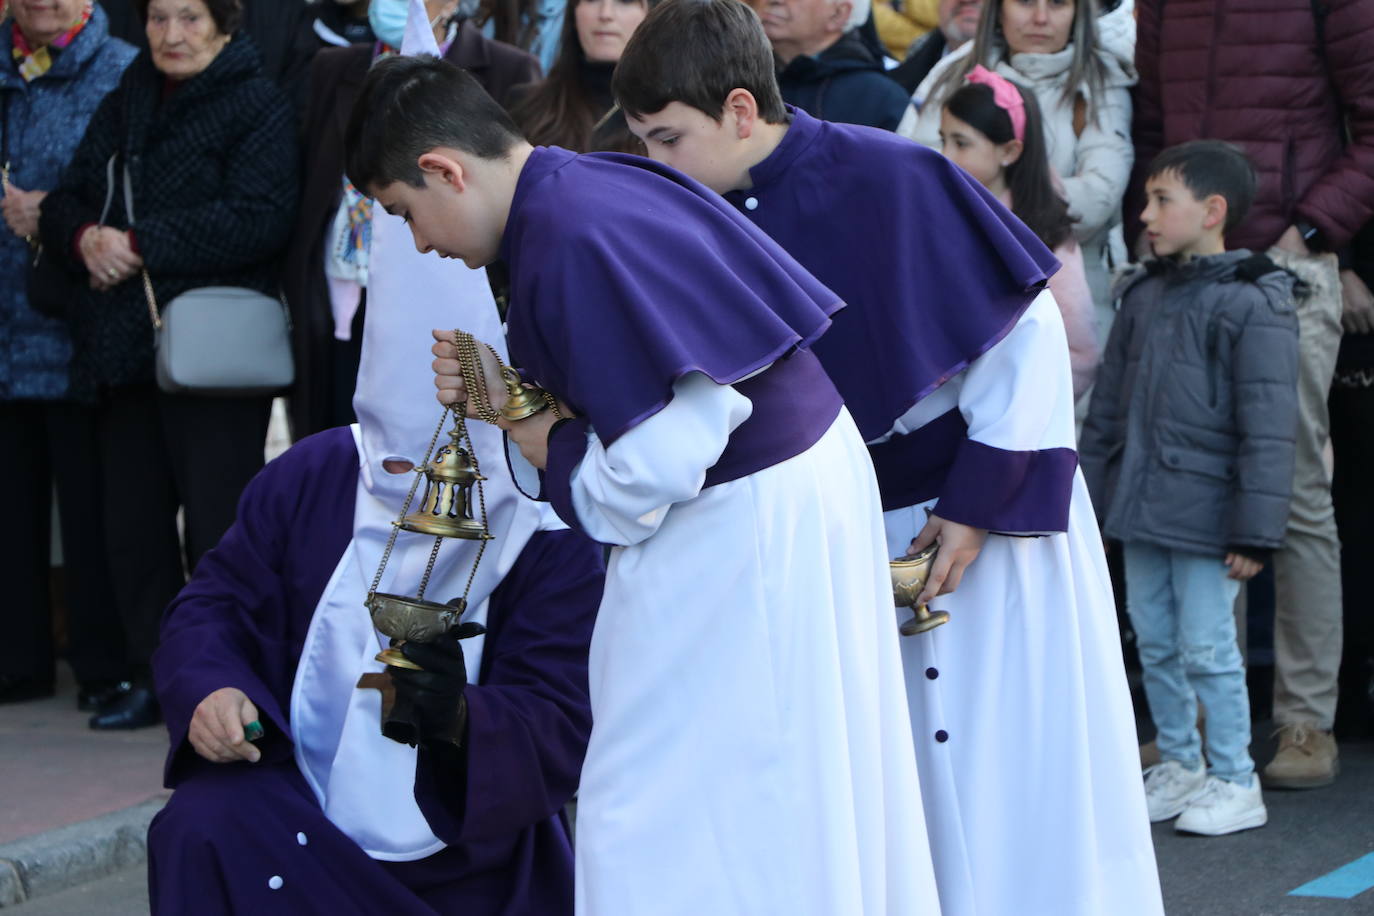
253	730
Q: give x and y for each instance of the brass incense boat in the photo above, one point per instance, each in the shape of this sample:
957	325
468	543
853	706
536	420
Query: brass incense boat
909	577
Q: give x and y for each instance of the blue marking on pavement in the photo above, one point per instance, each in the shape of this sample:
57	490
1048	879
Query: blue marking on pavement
1343	883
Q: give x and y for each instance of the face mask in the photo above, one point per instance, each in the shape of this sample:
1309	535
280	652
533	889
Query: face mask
388	20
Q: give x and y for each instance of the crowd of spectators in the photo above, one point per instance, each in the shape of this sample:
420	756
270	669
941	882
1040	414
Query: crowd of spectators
219	124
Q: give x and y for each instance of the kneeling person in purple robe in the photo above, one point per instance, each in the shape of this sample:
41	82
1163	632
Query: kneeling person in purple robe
321	813
749	752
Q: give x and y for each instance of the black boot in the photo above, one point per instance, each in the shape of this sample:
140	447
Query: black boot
97	696
136	709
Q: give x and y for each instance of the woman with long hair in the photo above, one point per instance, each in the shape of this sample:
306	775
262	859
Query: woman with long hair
573	106
991	128
1080	68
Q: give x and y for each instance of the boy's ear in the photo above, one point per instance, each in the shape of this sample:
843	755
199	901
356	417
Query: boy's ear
444	167
741	105
1215	209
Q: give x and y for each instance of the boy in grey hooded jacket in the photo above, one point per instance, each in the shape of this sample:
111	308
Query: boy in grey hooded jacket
1188	451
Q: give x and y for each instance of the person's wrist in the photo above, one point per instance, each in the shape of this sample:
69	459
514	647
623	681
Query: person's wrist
1311	235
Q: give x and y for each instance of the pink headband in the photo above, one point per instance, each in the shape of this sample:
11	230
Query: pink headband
1005	95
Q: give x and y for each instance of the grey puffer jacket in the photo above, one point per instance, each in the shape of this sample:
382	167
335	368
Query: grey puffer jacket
1189	439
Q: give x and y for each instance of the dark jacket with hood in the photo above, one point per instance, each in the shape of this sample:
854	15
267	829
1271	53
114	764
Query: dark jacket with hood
283	30
1189	440
845	83
919	61
215	182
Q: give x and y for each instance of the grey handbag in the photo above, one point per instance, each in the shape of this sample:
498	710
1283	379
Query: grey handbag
217	340
221	340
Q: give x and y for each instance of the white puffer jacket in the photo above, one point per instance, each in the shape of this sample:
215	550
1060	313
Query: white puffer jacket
1094	165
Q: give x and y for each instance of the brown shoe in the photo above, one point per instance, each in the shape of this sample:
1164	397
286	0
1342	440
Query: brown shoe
1306	759
1149	755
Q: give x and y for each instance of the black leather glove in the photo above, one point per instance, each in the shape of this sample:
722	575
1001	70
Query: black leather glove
436	693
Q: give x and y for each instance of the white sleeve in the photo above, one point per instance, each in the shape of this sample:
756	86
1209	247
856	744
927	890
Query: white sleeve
1018	396
622	494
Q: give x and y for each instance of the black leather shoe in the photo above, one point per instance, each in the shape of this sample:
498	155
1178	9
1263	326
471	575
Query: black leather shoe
137	709
16	689
97	696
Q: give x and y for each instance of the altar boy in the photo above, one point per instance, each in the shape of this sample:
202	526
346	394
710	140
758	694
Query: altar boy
749	752
952	359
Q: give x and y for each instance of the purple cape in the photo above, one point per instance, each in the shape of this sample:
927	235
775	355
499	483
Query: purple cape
933	269
627	275
242	621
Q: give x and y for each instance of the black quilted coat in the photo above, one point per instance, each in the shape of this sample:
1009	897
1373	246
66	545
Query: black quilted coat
215	183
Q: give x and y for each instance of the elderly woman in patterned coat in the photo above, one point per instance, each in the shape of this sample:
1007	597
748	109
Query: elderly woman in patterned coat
57	61
210	151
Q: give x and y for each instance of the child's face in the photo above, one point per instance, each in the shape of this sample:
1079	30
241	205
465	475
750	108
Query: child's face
971	150
696	145
1177	222
450	215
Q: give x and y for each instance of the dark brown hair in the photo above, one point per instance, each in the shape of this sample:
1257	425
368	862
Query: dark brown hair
561	111
228	14
697	52
1034	198
1208	167
512	21
411	105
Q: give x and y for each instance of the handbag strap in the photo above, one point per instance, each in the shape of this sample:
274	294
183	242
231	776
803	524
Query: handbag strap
5	136
153	313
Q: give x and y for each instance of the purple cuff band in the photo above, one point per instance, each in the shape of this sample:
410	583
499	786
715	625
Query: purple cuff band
567	445
912	468
1009	492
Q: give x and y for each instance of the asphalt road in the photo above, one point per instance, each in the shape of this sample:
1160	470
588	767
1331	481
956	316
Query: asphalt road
1249	874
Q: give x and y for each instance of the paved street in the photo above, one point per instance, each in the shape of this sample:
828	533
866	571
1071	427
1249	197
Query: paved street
1309	834
1250	874
57	772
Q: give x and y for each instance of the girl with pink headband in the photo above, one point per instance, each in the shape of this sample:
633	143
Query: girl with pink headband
991	128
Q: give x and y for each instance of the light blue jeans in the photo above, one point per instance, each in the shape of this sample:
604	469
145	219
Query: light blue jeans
1181	605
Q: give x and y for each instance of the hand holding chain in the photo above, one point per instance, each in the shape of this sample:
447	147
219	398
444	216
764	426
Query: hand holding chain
521	401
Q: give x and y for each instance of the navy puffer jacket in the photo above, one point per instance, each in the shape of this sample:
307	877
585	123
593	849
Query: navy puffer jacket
43	122
844	83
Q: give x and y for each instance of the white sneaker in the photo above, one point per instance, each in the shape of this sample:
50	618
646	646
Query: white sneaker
1224	807
1169	786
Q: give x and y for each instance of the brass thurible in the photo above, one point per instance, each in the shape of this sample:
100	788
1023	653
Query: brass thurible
909	576
446	510
452	477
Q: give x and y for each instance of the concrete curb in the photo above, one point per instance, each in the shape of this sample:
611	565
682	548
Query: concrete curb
58	859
